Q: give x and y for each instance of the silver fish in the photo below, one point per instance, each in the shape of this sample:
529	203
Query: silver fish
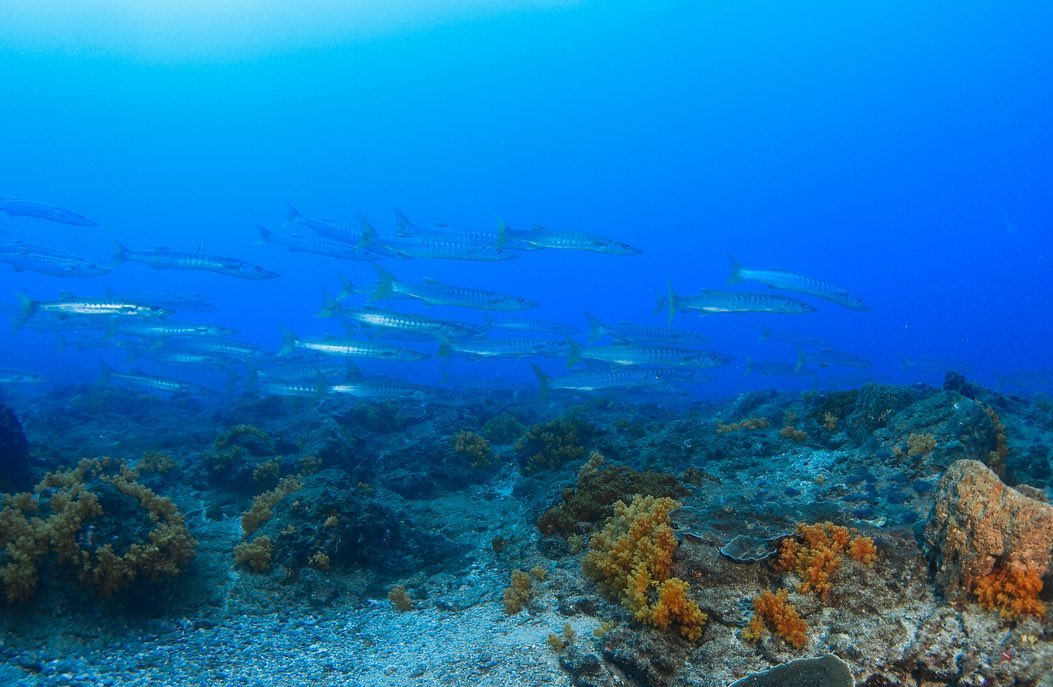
347	348
299	244
58	263
147	381
17	207
711	301
168	328
619	378
164	259
645	354
322	227
504	348
445	248
542	237
789	281
627	331
404	228
400	323
438	293
69	305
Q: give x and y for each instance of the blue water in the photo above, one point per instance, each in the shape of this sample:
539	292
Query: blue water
899	151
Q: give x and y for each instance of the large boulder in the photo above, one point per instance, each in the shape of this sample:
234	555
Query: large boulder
979	523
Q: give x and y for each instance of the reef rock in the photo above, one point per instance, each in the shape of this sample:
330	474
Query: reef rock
14	453
978	522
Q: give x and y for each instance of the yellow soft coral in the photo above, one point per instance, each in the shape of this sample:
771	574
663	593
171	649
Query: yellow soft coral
775	612
631	558
817	552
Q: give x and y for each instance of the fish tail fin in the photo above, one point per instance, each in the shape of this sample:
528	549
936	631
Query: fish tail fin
291	213
266	235
403	225
320	384
502	232
370	237
29	308
765	335
347	288
544	379
596	328
800	362
288	342
385	284
736	270
573	352
749	366
120	253
329	308
673	301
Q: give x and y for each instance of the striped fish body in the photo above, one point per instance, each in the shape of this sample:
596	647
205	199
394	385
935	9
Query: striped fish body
711	301
359	349
540	237
799	283
175	260
16	207
641	354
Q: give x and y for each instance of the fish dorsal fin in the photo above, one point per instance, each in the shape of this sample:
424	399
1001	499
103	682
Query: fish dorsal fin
66	296
159	246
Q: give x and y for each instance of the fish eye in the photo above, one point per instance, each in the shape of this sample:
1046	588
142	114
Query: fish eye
258	268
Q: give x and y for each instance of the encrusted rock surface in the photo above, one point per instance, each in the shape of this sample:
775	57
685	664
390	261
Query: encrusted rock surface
979	522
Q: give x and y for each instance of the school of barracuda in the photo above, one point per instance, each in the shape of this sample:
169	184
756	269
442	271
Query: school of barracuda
625	356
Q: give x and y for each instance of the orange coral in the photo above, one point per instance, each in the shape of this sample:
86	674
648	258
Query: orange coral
776	613
1011	590
631	558
673	608
820	553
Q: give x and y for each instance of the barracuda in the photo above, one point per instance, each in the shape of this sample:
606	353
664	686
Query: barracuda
69	305
347	348
542	237
146	381
438	293
626	331
332	249
17	207
400	323
711	301
642	354
164	259
622	378
505	348
435	247
405	228
322	227
67	265
789	281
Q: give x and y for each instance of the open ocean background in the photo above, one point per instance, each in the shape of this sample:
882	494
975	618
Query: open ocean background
898	150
